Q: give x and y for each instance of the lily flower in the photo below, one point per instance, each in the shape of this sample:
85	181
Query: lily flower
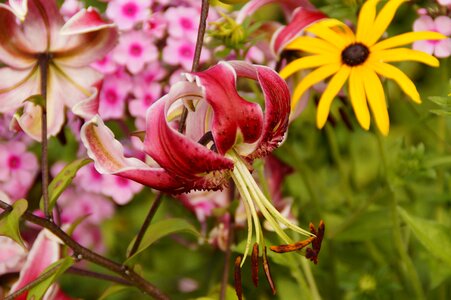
224	134
43	40
339	52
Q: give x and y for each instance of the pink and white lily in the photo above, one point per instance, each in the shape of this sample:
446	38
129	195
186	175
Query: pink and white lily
66	48
44	252
224	134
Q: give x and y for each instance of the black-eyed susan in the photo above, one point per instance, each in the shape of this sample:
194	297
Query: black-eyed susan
336	50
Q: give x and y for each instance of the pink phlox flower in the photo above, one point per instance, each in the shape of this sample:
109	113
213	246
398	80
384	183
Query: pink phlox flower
106	65
18	168
440	24
202	203
144	97
76	203
89	179
70	47
183	22
122	190
70	8
135	50
113	95
255	55
181	52
12	256
445	3
219	235
128	13
152	73
156	25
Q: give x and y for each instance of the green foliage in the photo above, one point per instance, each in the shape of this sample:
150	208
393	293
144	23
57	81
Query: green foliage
63	180
10	221
159	230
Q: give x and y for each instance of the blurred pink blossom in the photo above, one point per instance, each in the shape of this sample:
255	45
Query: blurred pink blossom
113	95
152	73
70	8
446	3
12	256
183	22
156	25
106	65
440	24
145	95
181	52
18	168
120	189
89	179
127	13
135	49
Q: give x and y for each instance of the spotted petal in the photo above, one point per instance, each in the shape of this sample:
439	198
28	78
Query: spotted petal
233	116
108	155
277	105
182	157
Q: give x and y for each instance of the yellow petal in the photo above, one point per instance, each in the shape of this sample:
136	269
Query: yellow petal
311	79
333	87
376	99
358	99
404	54
407	38
322	30
306	63
366	19
391	72
382	20
312	45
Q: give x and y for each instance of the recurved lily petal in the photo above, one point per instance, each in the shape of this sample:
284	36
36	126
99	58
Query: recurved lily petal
287	5
195	160
301	19
44	252
277	105
234	117
18	7
108	155
90	38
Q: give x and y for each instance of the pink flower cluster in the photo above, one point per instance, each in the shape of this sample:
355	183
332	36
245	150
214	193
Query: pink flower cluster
442	24
18	166
157	43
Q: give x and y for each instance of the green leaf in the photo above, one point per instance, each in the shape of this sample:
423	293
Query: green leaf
161	229
9	224
435	237
112	290
442	101
54	271
37	100
63	180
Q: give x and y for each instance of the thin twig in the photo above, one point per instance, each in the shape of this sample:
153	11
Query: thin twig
81	252
88	273
153	209
43	61
197	52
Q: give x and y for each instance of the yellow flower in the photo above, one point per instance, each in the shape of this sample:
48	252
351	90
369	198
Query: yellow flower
337	51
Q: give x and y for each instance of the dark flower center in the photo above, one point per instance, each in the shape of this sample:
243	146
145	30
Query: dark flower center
355	54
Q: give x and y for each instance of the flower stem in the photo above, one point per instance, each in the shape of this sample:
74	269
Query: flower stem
197	52
153	209
81	252
43	61
225	274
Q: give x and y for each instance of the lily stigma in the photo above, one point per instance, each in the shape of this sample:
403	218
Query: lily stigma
224	133
336	50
